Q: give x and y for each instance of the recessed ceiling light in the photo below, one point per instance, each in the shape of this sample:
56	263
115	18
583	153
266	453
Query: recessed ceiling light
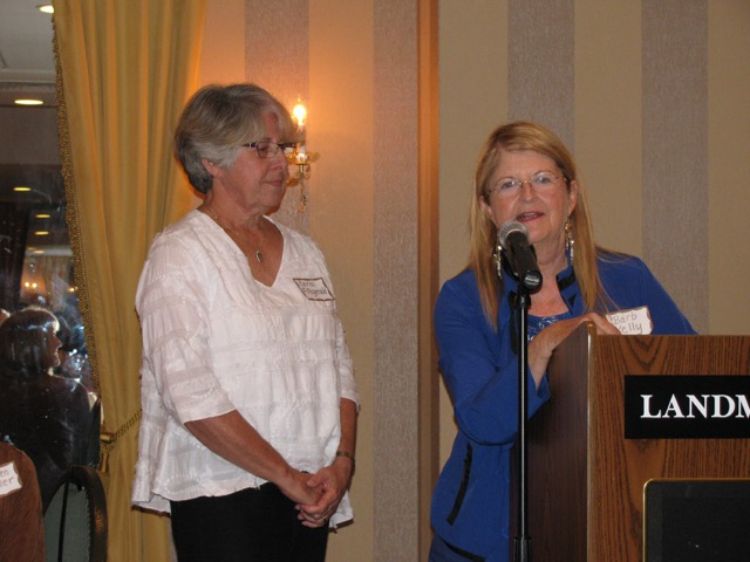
42	233
28	101
21	188
46	8
43	215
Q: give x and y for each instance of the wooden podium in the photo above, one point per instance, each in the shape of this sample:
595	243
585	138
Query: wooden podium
586	480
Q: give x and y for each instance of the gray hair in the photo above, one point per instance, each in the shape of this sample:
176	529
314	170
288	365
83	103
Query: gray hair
218	120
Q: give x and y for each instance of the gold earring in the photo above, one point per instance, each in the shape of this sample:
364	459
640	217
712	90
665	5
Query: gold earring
570	241
497	257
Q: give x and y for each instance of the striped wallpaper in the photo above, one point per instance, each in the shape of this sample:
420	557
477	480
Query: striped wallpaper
651	95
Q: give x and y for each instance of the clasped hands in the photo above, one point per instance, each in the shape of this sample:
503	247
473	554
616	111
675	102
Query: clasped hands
318	495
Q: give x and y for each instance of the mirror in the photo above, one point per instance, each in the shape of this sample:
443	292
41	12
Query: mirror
49	405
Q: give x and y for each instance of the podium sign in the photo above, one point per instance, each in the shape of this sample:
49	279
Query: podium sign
687	407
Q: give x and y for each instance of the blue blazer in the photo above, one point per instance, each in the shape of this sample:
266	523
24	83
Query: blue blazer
470	504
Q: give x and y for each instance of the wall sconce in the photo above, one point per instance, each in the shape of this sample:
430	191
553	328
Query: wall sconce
300	157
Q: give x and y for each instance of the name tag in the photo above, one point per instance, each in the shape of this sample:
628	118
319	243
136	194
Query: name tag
632	321
314	289
9	480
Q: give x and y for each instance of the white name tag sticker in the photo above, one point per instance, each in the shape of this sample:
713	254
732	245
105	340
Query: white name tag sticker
9	480
633	321
314	289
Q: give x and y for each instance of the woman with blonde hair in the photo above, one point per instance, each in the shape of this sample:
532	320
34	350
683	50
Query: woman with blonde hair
525	175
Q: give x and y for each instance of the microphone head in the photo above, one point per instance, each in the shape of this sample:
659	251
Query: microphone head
509	227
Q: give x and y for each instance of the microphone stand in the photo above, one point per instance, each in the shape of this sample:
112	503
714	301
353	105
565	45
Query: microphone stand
522	540
513	243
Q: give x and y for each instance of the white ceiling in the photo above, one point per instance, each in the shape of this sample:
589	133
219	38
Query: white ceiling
27	65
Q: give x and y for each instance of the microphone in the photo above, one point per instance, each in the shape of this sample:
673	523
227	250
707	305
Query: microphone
513	237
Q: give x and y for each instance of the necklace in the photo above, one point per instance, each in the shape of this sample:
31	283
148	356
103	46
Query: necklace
258	253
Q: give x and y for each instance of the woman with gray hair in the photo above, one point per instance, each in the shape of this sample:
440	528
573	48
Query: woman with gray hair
249	402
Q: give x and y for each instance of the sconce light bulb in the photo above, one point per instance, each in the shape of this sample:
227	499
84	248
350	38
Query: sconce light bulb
299	112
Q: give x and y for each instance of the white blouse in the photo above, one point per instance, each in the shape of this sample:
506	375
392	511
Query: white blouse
215	340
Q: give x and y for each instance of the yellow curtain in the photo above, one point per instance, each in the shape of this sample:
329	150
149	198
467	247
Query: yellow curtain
126	69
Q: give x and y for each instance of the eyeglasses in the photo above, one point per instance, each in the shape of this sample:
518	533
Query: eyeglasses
269	149
510	187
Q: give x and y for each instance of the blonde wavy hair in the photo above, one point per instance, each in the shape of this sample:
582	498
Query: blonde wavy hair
524	135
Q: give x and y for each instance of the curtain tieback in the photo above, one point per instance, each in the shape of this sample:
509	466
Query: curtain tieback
108	440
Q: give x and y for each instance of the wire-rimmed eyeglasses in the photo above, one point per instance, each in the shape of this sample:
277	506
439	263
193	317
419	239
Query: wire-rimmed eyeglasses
269	149
510	187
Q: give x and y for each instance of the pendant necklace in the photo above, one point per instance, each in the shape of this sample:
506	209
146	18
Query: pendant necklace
258	253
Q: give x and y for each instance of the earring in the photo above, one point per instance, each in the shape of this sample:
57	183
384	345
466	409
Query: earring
497	257
570	241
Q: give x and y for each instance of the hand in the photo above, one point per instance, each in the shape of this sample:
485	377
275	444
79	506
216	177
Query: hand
542	346
296	487
333	480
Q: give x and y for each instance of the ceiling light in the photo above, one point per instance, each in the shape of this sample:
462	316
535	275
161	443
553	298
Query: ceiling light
28	101
46	8
21	188
42	215
42	233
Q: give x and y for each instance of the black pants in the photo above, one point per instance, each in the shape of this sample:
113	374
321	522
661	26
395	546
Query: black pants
247	526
